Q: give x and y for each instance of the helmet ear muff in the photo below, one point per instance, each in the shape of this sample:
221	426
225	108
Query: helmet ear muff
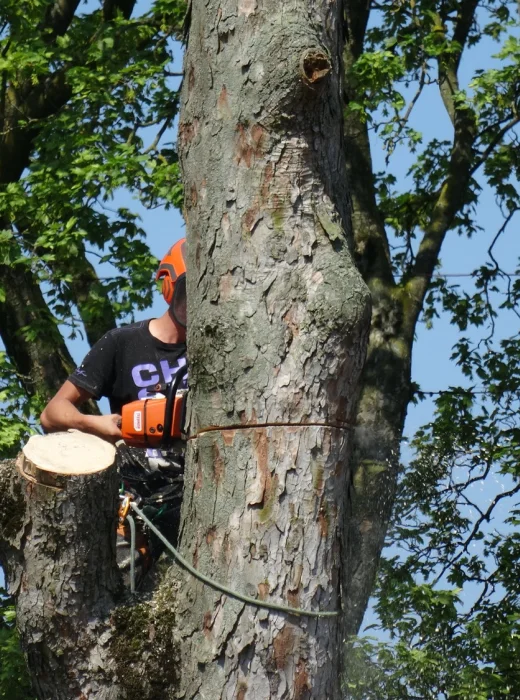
171	269
167	290
178	304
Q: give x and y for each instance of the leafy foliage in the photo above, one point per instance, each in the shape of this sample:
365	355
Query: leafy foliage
96	102
447	605
411	51
449	593
14	680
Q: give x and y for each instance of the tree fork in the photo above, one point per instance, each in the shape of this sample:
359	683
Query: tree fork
278	324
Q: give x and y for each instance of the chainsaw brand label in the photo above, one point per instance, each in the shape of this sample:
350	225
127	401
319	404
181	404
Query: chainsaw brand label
138	421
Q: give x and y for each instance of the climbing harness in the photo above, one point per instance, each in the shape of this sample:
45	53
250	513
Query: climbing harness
219	586
131	522
123	516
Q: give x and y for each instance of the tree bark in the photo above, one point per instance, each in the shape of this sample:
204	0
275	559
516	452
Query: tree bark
278	326
84	636
57	548
278	321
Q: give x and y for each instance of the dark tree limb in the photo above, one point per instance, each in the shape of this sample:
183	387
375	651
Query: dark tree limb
371	244
382	406
84	285
30	103
30	334
112	7
387	374
58	18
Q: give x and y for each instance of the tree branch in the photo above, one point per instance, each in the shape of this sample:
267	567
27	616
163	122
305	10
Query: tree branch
58	18
451	193
497	139
84	285
371	243
30	335
485	517
31	103
112	7
159	136
449	63
465	18
449	200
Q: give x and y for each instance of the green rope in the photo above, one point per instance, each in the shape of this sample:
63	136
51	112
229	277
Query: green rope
220	587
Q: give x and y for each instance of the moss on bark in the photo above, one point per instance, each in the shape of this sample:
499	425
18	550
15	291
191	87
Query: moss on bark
142	638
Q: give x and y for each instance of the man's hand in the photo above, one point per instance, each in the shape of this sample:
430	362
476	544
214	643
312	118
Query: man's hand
107	427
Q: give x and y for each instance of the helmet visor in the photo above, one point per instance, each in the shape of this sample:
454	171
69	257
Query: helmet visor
178	305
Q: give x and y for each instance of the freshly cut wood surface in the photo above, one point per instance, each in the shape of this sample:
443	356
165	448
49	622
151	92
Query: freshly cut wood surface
69	453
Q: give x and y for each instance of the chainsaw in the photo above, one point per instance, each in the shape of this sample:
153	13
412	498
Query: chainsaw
156	422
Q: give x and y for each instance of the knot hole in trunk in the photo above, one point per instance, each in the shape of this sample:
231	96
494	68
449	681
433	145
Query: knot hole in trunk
314	65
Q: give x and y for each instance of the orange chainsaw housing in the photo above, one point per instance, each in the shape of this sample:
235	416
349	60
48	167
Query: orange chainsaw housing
142	422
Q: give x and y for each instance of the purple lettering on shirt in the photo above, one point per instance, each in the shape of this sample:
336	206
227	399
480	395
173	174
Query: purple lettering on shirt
169	371
143	375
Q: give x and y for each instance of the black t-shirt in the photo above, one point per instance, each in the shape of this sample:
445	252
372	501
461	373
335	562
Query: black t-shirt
129	363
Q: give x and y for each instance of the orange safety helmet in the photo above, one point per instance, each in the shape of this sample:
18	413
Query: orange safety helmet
172	272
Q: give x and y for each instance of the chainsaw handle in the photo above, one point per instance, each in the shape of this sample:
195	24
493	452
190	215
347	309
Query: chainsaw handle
170	402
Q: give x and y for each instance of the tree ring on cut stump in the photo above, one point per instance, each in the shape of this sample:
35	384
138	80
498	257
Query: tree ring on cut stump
49	459
314	65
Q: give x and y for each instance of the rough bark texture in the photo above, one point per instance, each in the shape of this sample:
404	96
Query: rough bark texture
58	553
278	319
83	634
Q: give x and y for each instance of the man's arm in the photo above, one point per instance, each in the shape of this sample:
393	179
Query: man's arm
61	413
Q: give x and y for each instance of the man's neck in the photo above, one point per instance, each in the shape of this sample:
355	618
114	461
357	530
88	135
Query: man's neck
166	330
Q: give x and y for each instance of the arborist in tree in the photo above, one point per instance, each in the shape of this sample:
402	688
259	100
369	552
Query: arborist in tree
137	361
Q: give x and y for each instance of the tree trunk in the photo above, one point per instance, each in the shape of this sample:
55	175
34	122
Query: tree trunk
83	634
386	385
278	326
58	552
375	465
386	380
278	323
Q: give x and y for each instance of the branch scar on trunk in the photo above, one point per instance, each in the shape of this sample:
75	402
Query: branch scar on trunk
314	66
